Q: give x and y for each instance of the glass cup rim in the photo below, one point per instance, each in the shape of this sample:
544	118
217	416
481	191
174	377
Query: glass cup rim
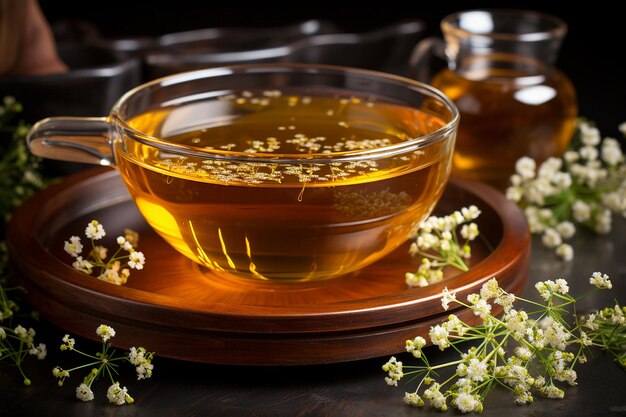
382	152
558	30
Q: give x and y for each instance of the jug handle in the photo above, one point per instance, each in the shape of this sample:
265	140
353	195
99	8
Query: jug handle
420	62
73	139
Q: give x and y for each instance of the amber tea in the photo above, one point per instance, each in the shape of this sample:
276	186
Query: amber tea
504	118
243	213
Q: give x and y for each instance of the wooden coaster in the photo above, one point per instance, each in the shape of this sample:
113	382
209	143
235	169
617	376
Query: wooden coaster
179	310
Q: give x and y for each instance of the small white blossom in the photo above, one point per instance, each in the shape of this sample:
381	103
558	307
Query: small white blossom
105	332
581	211
551	238
394	368
551	391
84	393
439	336
68	342
74	246
415	346
477	370
566	229
94	230
611	152
565	252
467	403
118	395
136	260
590	135
82	265
490	289
435	397
525	167
447	298
600	280
411	398
39	351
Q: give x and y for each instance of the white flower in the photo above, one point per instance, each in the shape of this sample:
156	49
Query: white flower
411	398
551	238
470	213
121	240
415	346
523	353
525	167
100	252
565	252
477	370
506	300
3	334
94	230
394	368
556	334
447	298
118	395
589	135
105	332
466	402
74	246
39	351
136	260
434	396
581	211
142	360
571	156
547	288
611	152
439	336
490	289
112	275
514	194
26	336
469	231
68	342
84	392
551	391
566	229
479	306
82	265
618	316
600	280
603	222
622	128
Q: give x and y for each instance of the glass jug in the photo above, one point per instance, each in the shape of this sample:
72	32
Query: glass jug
500	73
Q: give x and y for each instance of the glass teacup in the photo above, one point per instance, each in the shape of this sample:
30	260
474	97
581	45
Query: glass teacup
273	172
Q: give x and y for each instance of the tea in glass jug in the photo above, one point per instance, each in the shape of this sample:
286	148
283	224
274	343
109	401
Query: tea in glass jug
512	100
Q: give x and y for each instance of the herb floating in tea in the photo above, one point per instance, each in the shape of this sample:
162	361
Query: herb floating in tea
438	243
105	363
526	351
112	270
583	188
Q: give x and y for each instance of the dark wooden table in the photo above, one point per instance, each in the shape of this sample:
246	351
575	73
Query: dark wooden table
349	389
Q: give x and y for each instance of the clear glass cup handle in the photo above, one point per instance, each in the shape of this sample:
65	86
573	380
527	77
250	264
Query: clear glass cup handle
73	139
421	62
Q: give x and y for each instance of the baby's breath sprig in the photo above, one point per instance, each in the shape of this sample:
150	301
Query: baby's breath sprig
105	363
437	242
111	270
584	187
17	342
526	352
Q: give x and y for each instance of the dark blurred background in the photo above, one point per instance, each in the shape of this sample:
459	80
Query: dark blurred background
593	30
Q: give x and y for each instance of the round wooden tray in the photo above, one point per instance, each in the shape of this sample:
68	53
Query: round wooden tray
179	310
